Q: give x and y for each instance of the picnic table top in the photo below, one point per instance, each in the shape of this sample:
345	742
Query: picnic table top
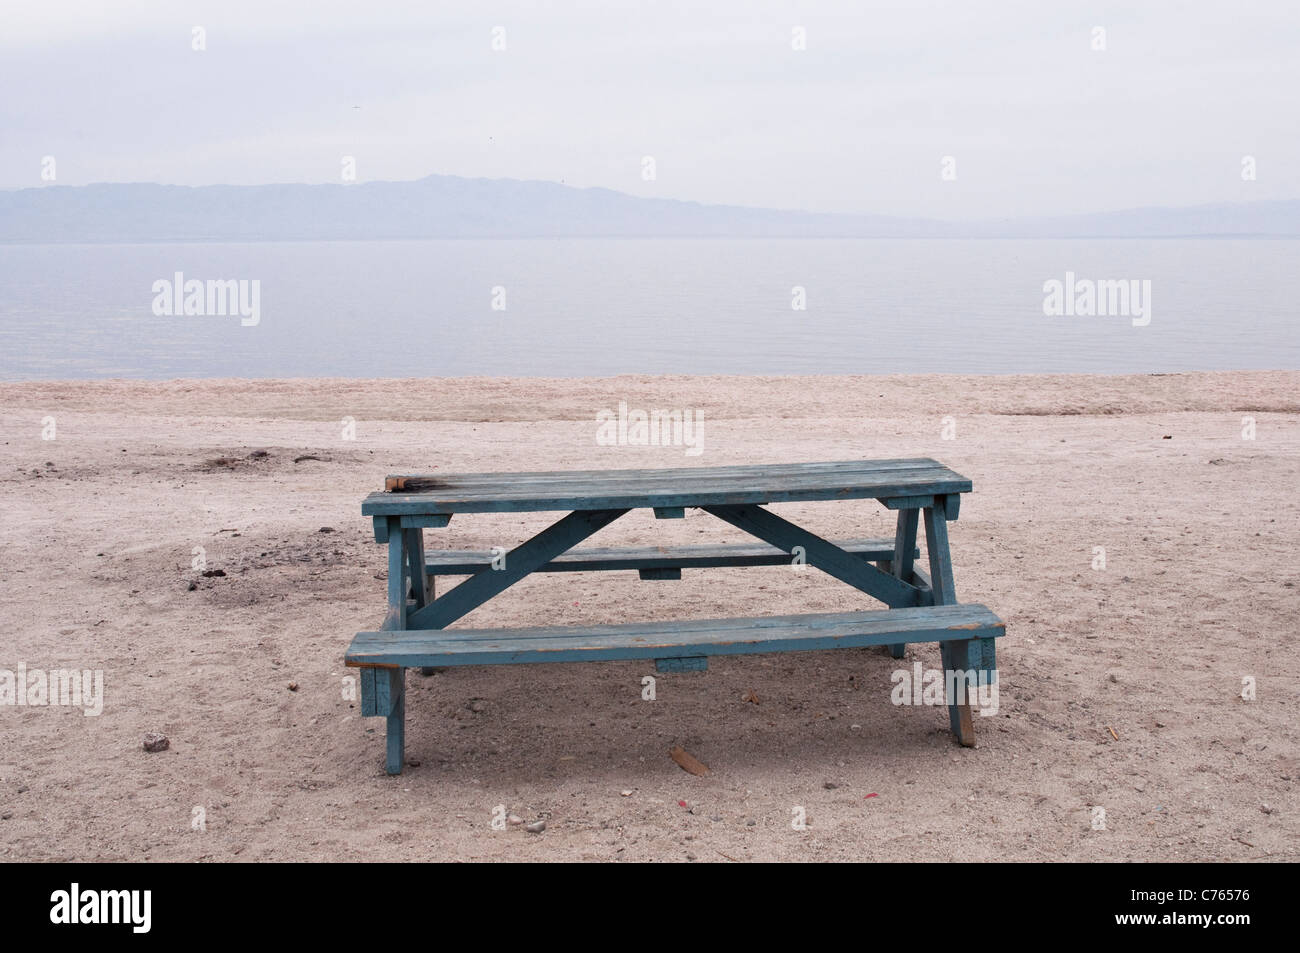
419	494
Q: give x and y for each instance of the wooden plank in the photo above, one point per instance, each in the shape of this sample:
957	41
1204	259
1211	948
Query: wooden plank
519	562
394	680
936	544
416	570
903	560
669	488
907	502
592	559
689	663
414	482
397	582
369	692
662	640
953	656
670	573
426	521
820	553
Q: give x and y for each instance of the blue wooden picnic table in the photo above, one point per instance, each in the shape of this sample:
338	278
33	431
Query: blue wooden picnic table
921	607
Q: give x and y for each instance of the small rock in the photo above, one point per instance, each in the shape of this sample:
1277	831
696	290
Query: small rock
154	741
716	817
23	789
412	762
325	529
293	686
536	827
751	823
210	573
478	706
192	586
258	455
1266	808
626	792
829	785
6	815
514	820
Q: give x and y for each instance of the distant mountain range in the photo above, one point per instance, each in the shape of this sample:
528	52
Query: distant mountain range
445	206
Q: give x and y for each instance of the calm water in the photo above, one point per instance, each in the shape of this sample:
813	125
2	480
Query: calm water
596	307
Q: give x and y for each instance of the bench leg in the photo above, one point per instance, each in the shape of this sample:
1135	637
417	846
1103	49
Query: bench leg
956	658
396	728
383	693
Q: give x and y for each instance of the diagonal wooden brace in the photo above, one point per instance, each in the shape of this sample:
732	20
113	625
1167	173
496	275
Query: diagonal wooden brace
821	553
519	562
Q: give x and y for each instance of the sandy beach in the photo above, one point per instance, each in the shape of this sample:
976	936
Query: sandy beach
1121	687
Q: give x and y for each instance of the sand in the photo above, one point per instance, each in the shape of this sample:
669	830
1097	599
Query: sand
269	760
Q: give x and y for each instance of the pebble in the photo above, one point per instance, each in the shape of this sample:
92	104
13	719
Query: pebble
23	789
325	529
751	823
154	741
478	705
412	762
514	820
6	815
536	827
1266	808
829	785
626	792
293	686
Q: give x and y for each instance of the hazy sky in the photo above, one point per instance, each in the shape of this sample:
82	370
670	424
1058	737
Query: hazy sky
1036	120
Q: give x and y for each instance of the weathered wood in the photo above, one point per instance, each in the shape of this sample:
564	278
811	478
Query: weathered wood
421	590
680	487
397	581
592	559
953	655
902	562
669	573
691	663
820	553
661	640
425	520
936	544
924	608
519	562
394	682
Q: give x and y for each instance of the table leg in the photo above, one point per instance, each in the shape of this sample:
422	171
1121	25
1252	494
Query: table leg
389	685
901	564
422	584
955	655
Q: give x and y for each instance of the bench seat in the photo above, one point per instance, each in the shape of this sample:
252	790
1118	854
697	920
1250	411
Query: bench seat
694	638
468	562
